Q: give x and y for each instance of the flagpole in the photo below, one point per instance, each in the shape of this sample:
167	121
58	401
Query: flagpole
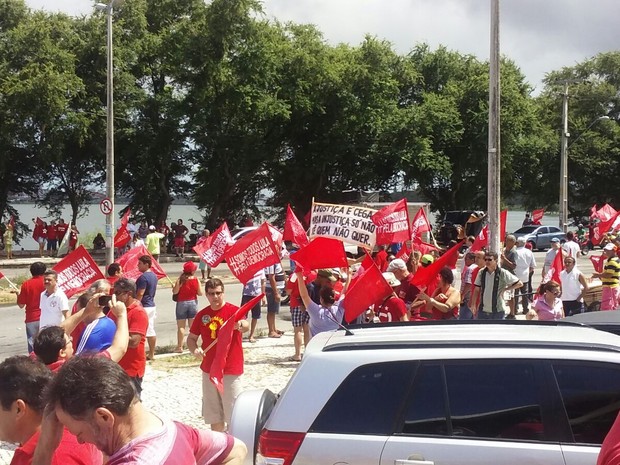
11	283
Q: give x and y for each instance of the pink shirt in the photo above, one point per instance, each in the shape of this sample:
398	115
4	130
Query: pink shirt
547	313
175	444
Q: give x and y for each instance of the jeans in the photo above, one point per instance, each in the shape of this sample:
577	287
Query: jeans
465	312
491	316
32	329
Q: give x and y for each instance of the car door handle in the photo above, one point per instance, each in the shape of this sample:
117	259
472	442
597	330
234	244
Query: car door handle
414	460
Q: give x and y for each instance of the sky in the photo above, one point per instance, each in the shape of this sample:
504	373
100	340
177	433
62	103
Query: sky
538	35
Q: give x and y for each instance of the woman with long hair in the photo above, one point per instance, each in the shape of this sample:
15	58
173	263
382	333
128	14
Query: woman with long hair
548	306
185	292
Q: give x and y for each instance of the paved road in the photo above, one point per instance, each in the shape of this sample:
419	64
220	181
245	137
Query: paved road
12	332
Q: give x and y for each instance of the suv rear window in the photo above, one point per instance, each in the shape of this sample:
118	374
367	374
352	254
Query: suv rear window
591	395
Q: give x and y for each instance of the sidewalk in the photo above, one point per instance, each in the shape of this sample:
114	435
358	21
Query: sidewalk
176	393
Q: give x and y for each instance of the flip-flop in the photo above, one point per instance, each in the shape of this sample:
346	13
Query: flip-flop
277	335
293	359
252	340
279	332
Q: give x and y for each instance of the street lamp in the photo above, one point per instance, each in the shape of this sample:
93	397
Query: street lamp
564	163
109	148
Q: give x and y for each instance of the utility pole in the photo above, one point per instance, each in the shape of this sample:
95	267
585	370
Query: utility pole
494	154
563	217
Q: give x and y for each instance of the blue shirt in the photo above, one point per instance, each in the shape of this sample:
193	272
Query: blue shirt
97	336
148	282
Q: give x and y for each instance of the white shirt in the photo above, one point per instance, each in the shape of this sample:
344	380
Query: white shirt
52	307
571	248
571	287
524	259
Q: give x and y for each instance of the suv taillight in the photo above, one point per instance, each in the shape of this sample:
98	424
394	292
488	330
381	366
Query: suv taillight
278	447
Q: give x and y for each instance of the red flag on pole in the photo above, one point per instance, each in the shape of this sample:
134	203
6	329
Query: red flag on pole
38	229
426	275
252	252
212	249
224	338
556	268
601	229
77	271
593	212
422	247
482	239
598	262
537	215
503	215
404	252
392	223
321	252
420	224
293	230
122	237
606	212
369	287
129	262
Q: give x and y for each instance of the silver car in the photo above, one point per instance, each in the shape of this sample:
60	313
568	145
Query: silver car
420	394
539	237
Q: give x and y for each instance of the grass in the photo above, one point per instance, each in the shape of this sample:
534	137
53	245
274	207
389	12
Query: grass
176	361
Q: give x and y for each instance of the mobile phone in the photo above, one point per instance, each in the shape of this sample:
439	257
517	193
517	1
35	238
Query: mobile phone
104	300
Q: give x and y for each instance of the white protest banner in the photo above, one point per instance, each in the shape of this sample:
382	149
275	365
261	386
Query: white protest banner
77	271
349	223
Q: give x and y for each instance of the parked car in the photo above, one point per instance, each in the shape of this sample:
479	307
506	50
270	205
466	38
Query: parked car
539	237
440	393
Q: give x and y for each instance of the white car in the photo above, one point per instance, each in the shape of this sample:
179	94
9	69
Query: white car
489	393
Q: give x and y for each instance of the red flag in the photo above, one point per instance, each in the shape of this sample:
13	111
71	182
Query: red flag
482	239
537	215
392	223
369	287
1	275
420	224
122	237
212	249
602	228
423	247
224	338
404	252
593	212
598	263
252	252
77	271
293	230
502	223
129	262
38	229
321	252
425	275
556	268
606	212
276	236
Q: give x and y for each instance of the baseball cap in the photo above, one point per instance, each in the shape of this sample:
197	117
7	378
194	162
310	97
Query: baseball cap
189	267
391	279
325	273
609	246
152	228
427	259
520	240
555	239
397	264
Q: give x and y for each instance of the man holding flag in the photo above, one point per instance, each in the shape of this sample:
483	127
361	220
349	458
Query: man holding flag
211	324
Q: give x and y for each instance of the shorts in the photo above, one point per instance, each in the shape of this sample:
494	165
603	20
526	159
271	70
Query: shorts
217	408
272	305
255	309
51	244
610	298
299	317
151	312
179	242
186	310
41	240
203	266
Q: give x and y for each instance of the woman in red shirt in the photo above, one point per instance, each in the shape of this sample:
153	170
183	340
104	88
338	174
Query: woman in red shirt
186	291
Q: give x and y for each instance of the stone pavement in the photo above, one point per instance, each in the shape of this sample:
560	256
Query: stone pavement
176	393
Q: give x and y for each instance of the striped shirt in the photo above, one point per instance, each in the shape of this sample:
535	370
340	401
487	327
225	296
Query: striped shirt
611	273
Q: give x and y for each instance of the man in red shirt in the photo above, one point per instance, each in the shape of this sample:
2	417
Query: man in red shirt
216	408
22	401
52	239
391	308
61	230
134	361
29	296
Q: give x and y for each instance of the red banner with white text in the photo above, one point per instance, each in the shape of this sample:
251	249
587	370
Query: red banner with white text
77	271
392	223
251	253
212	249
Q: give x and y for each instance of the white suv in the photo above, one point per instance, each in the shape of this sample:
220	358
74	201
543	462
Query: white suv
422	394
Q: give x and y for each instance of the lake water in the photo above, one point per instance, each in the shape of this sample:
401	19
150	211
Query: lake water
94	221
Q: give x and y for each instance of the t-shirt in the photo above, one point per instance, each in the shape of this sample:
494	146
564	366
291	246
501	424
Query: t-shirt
280	277
68	452
571	287
188	290
547	312
407	291
610	449
612	272
134	361
52	307
97	336
61	230
30	296
152	242
467	280
148	282
325	318
175	444
293	286
392	309
524	258
571	248
506	279
549	257
180	230
52	234
207	324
